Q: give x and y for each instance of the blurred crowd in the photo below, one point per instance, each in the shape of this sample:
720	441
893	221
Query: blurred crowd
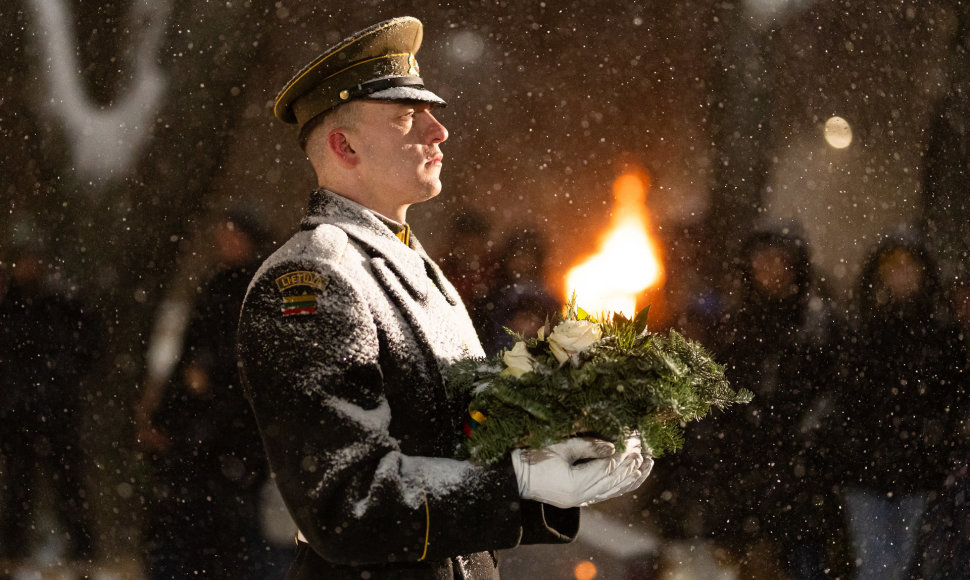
851	461
210	509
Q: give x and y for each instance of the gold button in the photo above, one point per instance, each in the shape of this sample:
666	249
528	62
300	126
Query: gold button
344	95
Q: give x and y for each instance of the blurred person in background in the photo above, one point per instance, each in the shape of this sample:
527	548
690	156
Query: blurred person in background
783	343
518	298
49	340
900	408
945	535
756	480
209	463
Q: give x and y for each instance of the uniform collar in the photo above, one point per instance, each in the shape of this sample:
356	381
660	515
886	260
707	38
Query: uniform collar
402	231
371	230
329	207
363	225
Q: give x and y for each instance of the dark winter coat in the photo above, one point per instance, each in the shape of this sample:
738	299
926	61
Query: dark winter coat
785	350
48	342
208	483
904	394
214	445
763	470
343	336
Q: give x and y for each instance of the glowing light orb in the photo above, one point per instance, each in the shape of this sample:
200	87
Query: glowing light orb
838	132
467	46
585	570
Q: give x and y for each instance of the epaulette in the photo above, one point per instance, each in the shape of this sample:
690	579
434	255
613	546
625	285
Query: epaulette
327	244
322	246
302	277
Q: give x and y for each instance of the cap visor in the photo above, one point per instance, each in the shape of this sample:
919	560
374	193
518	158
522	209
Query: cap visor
407	94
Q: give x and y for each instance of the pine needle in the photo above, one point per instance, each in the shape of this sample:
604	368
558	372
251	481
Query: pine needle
630	380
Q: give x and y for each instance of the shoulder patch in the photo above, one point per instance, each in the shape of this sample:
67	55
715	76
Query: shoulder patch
302	278
299	304
300	289
297	274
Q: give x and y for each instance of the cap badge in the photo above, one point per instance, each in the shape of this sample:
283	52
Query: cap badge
413	62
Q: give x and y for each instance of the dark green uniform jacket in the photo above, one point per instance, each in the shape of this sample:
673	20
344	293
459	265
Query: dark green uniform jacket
343	336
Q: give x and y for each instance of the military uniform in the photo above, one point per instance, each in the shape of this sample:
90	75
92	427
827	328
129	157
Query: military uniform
343	336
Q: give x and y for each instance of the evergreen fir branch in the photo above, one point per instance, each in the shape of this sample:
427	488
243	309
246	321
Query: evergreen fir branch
630	380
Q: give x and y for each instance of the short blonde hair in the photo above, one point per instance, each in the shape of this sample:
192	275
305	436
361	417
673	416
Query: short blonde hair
344	116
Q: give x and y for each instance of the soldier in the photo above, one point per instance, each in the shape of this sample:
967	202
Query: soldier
343	336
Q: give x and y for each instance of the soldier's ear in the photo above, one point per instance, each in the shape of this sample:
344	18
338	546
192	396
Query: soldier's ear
339	145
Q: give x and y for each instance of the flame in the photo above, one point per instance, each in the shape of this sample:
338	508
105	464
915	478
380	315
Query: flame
627	262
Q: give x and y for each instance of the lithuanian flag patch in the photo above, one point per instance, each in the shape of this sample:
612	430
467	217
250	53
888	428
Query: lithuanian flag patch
299	305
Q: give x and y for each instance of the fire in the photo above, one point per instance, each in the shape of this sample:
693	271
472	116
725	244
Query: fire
627	263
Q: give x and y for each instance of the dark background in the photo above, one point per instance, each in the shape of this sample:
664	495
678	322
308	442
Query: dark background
127	128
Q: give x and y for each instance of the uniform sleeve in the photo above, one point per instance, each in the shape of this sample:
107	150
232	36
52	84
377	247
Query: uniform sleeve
546	524
317	389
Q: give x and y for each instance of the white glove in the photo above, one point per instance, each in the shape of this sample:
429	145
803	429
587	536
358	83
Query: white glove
633	447
552	475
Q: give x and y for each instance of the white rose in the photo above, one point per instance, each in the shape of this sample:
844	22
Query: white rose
518	360
569	338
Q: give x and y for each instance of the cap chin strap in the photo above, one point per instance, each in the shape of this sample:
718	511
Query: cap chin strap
377	85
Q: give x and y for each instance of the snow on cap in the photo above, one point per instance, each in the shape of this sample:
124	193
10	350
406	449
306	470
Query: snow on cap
376	63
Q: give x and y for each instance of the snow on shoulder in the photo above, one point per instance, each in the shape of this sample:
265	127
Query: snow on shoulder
323	245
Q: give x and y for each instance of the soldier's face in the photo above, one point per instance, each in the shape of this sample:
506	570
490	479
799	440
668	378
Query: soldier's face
399	150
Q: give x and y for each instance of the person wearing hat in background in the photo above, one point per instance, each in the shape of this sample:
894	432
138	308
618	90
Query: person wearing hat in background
344	334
